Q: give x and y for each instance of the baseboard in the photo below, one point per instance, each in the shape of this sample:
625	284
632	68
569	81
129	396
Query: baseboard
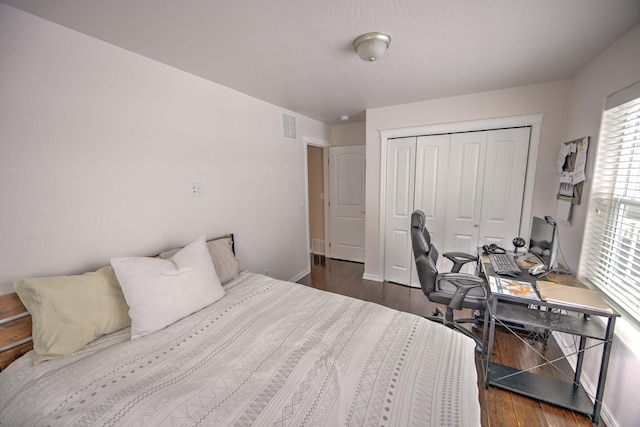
372	277
300	275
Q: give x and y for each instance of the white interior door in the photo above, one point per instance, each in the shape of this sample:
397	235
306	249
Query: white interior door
467	154
400	177
504	178
346	202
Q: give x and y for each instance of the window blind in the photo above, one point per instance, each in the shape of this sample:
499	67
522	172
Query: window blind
611	249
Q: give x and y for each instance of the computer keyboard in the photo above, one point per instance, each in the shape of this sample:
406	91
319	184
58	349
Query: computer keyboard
504	264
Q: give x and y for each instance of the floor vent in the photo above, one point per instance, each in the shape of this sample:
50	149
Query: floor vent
317	247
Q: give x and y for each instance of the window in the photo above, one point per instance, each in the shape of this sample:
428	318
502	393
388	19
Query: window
611	250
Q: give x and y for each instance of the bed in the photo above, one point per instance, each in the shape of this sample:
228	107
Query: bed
268	352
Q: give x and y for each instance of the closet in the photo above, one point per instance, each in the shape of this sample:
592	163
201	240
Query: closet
470	186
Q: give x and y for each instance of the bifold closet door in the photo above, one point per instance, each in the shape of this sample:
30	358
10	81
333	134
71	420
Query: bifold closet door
430	195
503	190
400	185
487	173
416	179
464	191
469	185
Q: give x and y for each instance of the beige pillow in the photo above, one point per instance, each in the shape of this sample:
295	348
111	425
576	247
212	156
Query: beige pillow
222	255
69	312
223	258
162	291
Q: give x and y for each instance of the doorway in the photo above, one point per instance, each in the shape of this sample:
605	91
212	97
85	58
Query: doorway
335	200
316	201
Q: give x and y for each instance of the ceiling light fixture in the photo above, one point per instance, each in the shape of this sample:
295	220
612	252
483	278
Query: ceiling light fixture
344	118
371	46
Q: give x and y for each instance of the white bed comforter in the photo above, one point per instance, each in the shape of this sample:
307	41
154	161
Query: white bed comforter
268	353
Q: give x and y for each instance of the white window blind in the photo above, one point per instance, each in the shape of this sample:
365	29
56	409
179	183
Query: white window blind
611	251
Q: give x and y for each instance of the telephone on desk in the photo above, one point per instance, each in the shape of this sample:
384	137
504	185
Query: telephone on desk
493	249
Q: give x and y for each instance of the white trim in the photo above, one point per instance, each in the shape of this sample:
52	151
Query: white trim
316	142
327	190
532	120
382	208
467	126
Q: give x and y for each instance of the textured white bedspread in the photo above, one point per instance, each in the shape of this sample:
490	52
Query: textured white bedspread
268	353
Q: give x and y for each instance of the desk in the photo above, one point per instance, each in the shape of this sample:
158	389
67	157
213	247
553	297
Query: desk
548	317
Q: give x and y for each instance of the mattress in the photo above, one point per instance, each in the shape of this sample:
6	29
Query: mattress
270	353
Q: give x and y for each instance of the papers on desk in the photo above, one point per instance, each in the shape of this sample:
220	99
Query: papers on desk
572	296
512	287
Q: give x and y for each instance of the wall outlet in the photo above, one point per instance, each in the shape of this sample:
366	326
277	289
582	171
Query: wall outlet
196	189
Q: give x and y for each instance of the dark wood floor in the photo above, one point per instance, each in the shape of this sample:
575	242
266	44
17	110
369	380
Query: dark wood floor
499	407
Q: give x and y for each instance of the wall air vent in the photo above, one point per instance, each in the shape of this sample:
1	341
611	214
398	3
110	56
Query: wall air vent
288	126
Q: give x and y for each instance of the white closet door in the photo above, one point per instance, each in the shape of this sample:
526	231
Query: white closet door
469	185
400	174
504	177
346	202
467	155
432	157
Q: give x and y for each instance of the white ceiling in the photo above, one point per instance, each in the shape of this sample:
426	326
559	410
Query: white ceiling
298	54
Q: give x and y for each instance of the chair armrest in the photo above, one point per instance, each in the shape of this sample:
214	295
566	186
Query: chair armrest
459	259
463	283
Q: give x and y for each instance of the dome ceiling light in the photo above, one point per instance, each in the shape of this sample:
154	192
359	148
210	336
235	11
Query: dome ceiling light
371	46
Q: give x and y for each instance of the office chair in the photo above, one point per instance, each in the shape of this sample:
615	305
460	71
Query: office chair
453	289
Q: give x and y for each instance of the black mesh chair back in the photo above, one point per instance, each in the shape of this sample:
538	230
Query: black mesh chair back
453	289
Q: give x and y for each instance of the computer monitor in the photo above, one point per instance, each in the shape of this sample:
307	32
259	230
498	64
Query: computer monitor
543	242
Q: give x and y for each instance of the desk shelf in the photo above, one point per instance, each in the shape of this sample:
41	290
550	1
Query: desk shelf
546	389
583	323
575	325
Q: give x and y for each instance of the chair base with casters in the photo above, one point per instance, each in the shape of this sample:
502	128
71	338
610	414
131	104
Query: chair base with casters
455	290
471	295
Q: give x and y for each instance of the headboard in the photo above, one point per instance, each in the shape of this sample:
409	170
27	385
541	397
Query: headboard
15	323
15	329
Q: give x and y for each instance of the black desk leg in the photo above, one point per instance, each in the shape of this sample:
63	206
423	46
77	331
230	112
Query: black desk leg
581	351
488	347
606	352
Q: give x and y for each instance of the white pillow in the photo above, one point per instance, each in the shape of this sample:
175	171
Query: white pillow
160	292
